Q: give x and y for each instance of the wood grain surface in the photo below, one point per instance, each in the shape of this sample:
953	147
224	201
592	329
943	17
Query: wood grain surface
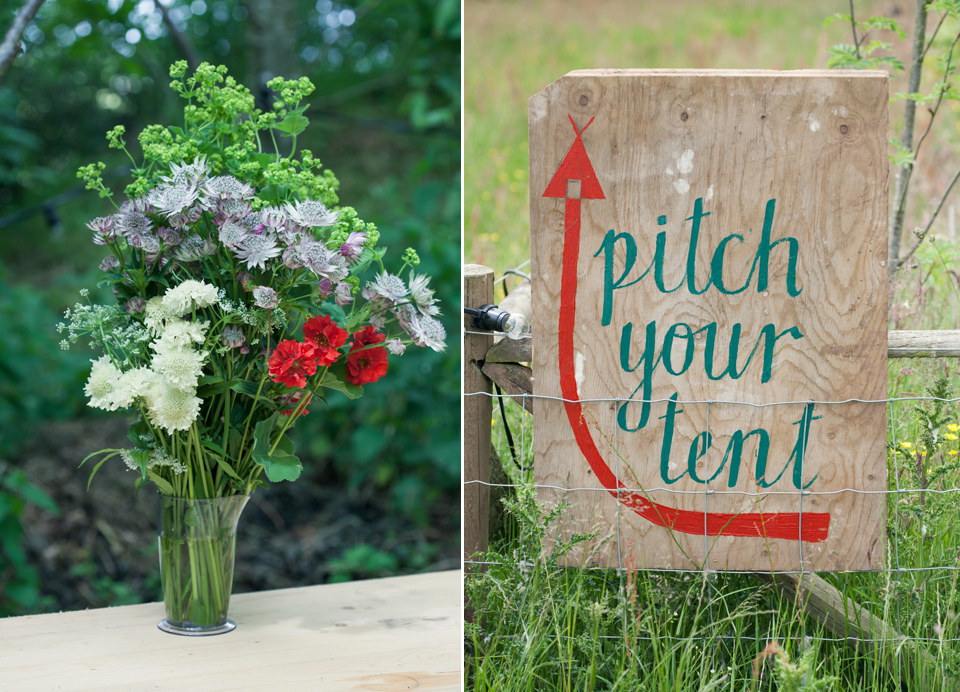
399	633
742	212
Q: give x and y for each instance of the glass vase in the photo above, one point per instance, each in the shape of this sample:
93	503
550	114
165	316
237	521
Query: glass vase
198	541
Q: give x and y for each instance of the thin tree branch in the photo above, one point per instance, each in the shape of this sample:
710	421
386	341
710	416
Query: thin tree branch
10	48
895	229
923	234
934	35
853	28
936	107
186	48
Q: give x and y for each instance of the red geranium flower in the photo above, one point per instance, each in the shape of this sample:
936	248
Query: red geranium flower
292	362
326	336
364	363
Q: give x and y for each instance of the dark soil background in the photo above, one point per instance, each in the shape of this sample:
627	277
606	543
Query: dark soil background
102	548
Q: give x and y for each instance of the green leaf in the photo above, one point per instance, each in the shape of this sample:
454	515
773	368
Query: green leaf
334	311
162	485
250	389
336	378
280	464
293	124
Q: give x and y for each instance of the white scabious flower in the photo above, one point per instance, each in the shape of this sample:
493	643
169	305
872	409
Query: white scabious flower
133	384
189	295
171	408
102	383
155	314
177	367
181	334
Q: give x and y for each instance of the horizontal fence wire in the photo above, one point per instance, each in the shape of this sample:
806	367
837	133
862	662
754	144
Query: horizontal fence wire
895	565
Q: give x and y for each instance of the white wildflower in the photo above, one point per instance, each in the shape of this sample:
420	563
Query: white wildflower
160	458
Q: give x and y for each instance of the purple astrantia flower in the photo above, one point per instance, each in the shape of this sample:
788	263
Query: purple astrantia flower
135	305
395	347
171	200
325	287
427	331
352	249
309	213
191	248
344	294
265	297
232	234
233	209
169	237
109	263
257	250
291	258
188	173
389	287
421	295
233	337
322	261
225	187
103	231
132	224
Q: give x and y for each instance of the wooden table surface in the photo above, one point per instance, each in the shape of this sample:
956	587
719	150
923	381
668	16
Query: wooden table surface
400	633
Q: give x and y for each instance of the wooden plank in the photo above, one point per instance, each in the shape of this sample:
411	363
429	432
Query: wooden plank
384	634
941	343
514	379
681	216
477	412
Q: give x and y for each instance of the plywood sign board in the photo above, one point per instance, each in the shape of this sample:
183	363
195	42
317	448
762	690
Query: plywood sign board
708	257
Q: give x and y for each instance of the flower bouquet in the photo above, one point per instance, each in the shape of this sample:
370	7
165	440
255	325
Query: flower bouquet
239	306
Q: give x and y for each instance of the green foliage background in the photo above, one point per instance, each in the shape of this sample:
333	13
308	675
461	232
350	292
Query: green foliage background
384	117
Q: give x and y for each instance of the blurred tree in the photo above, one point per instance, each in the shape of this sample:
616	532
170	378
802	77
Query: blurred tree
10	46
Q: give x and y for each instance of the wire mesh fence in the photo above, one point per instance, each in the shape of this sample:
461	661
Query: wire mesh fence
913	598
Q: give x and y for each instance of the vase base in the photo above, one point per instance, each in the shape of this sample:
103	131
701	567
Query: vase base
168	626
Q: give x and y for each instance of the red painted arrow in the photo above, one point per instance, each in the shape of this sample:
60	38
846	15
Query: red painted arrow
813	527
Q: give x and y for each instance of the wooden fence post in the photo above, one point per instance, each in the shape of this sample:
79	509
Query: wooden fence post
477	414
